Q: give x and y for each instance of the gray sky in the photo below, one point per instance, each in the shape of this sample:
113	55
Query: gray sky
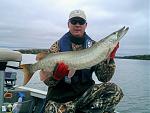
38	23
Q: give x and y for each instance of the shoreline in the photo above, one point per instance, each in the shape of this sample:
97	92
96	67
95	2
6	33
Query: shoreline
136	57
36	51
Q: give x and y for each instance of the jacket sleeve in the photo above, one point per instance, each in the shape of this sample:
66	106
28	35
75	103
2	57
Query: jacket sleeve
50	81
54	48
105	70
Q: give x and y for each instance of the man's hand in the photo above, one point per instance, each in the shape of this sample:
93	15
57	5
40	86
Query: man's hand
113	53
41	55
60	71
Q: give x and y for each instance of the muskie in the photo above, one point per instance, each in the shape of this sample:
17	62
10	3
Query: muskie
77	60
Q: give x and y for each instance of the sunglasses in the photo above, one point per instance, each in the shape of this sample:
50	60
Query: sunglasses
79	21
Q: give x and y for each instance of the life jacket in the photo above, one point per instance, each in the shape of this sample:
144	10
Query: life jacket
84	75
69	89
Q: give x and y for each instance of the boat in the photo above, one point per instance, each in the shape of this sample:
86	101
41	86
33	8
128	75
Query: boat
14	98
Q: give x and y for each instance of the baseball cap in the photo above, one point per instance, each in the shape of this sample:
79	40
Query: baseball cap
77	13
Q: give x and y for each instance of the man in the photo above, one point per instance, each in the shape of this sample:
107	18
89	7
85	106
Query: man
80	94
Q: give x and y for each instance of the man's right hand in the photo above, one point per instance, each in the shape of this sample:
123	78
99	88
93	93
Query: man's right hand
59	72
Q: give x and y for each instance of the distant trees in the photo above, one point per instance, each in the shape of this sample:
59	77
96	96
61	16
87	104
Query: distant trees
32	51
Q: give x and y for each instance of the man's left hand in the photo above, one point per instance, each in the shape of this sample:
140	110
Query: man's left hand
113	53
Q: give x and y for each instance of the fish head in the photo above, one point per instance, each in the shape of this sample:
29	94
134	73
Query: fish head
115	37
120	33
111	41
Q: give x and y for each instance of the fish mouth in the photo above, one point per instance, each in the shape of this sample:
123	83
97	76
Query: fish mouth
119	34
122	31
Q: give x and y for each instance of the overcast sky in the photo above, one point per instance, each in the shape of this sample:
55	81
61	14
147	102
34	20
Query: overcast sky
39	23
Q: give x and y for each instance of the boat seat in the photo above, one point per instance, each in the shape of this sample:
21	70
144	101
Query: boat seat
9	55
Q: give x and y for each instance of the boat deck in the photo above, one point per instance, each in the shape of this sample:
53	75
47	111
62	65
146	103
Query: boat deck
32	102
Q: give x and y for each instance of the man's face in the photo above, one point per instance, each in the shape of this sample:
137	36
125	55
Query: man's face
77	26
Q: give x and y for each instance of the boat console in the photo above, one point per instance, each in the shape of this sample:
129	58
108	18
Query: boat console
13	98
8	93
7	79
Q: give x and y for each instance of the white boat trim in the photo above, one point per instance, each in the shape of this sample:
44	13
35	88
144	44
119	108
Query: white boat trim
35	92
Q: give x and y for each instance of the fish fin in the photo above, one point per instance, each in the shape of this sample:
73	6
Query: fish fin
71	73
27	72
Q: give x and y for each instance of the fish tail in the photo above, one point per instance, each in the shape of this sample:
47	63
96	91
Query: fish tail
27	72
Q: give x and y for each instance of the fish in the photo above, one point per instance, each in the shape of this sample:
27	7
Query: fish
76	60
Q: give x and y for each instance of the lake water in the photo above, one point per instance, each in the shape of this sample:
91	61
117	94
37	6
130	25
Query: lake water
133	76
